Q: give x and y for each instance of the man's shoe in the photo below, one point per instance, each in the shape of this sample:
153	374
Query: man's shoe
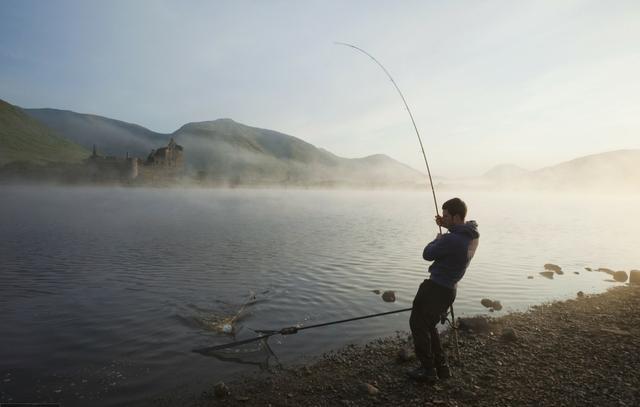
444	372
422	374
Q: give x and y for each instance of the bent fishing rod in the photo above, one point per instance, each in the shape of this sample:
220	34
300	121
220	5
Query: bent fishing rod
424	155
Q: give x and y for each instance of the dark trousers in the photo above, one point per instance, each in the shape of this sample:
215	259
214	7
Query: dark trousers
431	301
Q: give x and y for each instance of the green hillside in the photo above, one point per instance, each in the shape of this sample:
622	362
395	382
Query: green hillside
23	138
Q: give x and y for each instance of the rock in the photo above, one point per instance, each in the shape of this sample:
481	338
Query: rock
241	398
369	389
376	292
620	276
580	294
606	270
576	272
530	277
406	355
509	335
496	305
588	268
553	267
221	390
547	274
389	296
486	302
476	324
634	277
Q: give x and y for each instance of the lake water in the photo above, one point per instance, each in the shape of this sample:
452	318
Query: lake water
105	291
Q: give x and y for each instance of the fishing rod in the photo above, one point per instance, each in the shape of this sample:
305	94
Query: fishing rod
424	155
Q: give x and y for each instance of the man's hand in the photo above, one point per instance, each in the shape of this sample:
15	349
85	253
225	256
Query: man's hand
438	219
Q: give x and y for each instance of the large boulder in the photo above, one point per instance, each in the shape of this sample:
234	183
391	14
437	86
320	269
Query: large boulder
547	274
634	277
620	276
221	390
487	303
389	296
553	267
476	324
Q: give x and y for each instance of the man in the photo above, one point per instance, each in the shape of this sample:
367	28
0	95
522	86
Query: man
451	254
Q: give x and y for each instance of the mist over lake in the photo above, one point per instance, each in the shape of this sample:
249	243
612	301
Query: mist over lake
105	291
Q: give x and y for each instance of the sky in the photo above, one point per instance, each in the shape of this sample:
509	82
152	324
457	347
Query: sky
530	83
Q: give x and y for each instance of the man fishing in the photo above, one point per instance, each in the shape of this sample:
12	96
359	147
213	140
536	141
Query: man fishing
451	253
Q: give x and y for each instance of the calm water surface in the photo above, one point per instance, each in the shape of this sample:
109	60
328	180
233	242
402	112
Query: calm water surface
105	291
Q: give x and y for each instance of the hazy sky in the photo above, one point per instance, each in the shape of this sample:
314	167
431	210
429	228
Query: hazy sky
529	83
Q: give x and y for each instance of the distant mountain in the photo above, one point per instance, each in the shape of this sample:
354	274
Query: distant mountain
614	170
25	139
111	137
226	151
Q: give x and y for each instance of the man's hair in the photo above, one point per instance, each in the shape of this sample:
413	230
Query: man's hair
455	206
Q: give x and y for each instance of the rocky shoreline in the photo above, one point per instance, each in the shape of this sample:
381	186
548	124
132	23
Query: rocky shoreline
583	351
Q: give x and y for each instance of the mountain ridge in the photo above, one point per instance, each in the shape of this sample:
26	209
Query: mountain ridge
226	151
24	139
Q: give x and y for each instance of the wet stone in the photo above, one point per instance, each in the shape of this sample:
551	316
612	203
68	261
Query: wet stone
547	274
620	276
389	296
221	390
369	389
487	303
553	267
474	324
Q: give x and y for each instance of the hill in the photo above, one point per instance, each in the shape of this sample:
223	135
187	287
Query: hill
225	151
614	170
24	139
112	137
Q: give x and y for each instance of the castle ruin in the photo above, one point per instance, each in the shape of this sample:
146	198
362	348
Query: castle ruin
161	165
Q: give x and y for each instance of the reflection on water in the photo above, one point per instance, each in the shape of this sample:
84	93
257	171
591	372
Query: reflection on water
105	291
